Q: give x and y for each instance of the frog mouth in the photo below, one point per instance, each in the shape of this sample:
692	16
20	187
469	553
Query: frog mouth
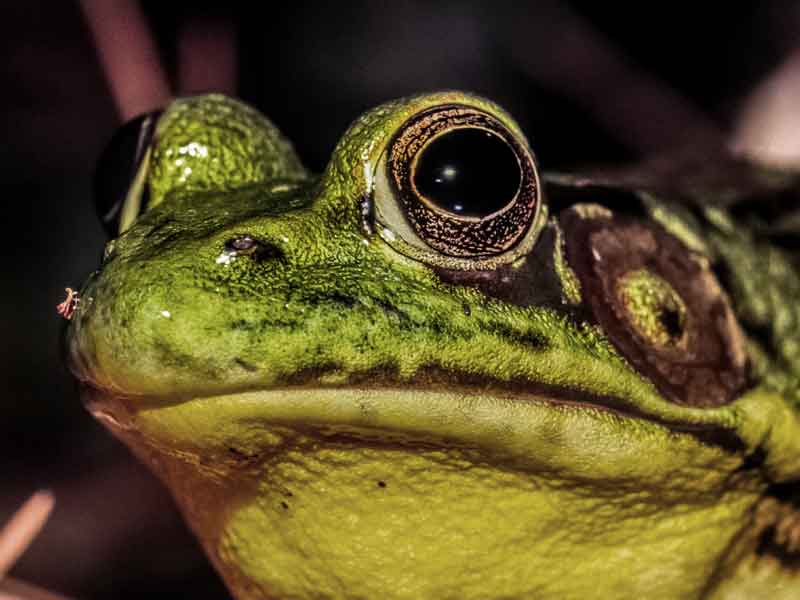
706	422
707	429
546	431
436	390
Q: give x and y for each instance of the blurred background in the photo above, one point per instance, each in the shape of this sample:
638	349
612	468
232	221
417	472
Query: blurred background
590	86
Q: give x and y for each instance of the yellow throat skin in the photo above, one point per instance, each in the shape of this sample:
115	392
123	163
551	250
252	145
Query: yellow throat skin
291	508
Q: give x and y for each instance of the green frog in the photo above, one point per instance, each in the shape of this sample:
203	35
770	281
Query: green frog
435	372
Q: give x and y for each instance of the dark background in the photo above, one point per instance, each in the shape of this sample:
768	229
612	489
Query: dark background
590	85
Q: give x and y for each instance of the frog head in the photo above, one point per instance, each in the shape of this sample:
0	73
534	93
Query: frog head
433	371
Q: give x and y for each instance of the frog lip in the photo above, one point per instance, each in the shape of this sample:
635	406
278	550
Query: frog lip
581	400
524	390
708	431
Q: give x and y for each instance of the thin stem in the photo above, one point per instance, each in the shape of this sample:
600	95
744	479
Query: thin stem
14	589
23	527
128	55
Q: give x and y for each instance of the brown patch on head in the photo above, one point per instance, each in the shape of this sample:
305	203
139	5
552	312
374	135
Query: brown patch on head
659	304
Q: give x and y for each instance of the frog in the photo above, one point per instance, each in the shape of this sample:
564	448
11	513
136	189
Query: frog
435	371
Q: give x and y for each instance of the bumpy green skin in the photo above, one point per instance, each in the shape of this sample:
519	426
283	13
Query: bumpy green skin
217	145
335	421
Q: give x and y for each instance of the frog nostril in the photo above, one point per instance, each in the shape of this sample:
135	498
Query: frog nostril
242	244
247	245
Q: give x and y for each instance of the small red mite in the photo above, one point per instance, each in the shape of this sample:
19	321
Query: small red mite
68	306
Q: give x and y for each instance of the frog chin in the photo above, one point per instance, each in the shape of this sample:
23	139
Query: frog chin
304	492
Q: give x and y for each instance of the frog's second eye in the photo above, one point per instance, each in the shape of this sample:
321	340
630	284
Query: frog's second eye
120	186
465	183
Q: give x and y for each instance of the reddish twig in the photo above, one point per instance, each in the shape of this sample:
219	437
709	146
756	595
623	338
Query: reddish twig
128	55
22	528
15	537
769	124
13	589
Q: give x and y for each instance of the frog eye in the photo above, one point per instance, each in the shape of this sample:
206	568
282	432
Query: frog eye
464	183
660	305
120	186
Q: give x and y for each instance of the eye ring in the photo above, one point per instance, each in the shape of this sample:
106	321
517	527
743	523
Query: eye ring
499	218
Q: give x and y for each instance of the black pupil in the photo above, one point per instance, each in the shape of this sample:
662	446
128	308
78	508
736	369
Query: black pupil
469	172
